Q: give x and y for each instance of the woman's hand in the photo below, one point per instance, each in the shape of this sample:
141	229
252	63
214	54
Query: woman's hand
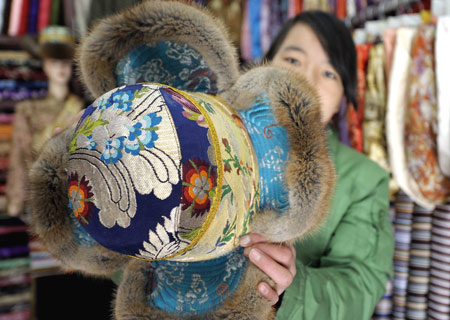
274	259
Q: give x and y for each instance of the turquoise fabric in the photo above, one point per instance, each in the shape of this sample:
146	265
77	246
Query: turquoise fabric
172	63
195	287
342	269
271	146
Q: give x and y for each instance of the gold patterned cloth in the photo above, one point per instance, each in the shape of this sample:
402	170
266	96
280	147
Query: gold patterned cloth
34	122
375	112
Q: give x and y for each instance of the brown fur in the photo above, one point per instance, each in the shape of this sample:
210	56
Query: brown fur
244	304
150	22
48	192
309	173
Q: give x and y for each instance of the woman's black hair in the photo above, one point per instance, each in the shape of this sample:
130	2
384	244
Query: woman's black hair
335	39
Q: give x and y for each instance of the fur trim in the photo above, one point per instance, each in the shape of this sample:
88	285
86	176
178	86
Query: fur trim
310	172
49	203
150	22
245	304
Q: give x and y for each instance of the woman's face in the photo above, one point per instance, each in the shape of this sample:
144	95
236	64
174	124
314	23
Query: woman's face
58	71
302	52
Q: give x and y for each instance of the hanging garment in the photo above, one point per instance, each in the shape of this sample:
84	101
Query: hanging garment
439	287
421	121
389	44
230	12
442	81
395	116
246	48
355	117
375	113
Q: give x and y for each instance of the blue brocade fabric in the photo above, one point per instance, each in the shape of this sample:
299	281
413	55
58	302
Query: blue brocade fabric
172	63
195	287
271	145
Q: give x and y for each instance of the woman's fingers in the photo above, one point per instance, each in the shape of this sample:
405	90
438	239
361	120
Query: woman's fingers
268	292
280	274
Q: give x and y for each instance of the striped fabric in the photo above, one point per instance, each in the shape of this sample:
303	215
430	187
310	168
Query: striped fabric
439	291
419	264
402	224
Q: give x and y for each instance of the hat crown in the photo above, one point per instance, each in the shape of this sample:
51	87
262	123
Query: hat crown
157	173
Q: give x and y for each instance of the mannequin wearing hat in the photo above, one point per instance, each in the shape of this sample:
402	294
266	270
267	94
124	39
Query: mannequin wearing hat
35	119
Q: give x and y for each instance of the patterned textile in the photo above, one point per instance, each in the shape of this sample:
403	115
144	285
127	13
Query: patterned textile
194	287
443	99
167	62
395	116
402	223
271	146
383	309
419	264
375	112
355	117
439	291
187	157
421	121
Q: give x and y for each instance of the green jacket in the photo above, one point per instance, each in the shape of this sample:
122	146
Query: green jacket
342	269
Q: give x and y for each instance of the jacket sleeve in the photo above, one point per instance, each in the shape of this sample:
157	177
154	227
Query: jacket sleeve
353	272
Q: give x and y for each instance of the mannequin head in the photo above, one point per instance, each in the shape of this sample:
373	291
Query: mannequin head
58	71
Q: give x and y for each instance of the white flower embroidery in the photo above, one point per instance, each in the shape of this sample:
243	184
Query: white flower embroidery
160	245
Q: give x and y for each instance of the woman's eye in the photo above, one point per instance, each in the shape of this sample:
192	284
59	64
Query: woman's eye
330	75
293	61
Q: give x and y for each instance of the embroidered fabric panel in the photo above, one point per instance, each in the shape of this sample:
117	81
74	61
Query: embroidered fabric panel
194	287
271	145
169	62
239	188
158	174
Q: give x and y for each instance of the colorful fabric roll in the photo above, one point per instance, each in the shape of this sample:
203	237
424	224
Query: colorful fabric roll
419	264
383	309
439	286
22	94
403	223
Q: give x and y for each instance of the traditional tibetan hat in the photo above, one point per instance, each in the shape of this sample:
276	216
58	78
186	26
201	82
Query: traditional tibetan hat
56	42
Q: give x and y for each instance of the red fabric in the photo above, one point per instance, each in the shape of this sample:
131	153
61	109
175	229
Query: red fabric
44	14
341	9
24	17
355	117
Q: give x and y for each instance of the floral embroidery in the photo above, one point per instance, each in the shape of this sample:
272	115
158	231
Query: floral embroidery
165	241
113	150
234	160
228	233
115	143
190	111
199	182
142	134
80	198
122	100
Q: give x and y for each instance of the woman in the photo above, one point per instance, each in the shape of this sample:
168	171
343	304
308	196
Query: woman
341	271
